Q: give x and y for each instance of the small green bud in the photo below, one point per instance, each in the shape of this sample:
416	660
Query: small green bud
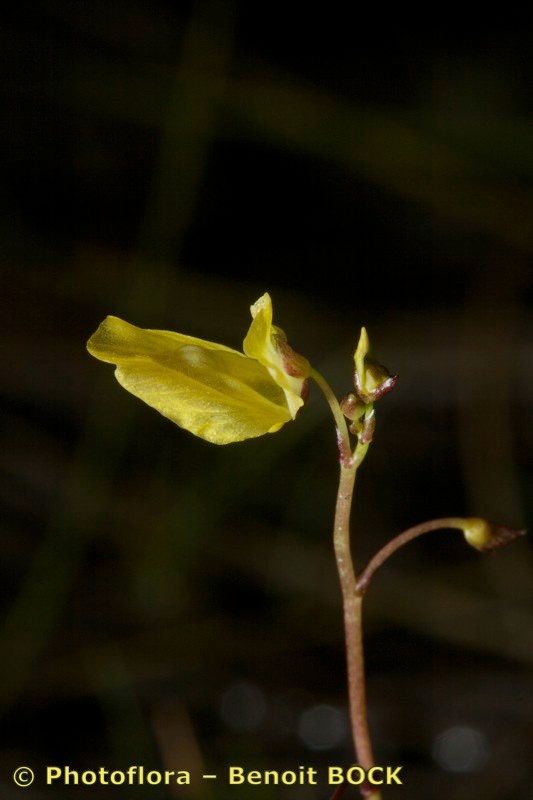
352	407
372	380
484	536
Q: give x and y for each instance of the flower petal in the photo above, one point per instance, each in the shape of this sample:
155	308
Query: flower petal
206	388
268	344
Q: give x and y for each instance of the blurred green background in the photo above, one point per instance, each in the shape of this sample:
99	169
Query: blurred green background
174	604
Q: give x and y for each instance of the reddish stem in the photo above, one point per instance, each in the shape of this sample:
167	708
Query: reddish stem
407	536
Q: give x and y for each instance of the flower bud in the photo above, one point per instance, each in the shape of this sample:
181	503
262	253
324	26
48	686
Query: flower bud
484	536
362	417
351	407
372	380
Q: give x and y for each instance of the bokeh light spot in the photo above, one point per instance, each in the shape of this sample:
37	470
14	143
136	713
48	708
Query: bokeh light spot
461	749
323	727
243	707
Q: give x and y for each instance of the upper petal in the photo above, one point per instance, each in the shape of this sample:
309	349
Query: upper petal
268	344
206	388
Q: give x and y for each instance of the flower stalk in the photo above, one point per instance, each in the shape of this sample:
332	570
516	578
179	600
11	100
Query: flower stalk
479	533
353	625
352	598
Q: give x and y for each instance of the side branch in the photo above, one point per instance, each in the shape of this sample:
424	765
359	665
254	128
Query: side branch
480	534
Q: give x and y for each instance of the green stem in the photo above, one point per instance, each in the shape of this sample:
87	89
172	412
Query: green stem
343	437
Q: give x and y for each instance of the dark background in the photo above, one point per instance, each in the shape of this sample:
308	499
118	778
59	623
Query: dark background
172	603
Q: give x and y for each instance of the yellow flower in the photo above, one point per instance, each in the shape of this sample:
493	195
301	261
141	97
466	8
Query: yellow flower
210	390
